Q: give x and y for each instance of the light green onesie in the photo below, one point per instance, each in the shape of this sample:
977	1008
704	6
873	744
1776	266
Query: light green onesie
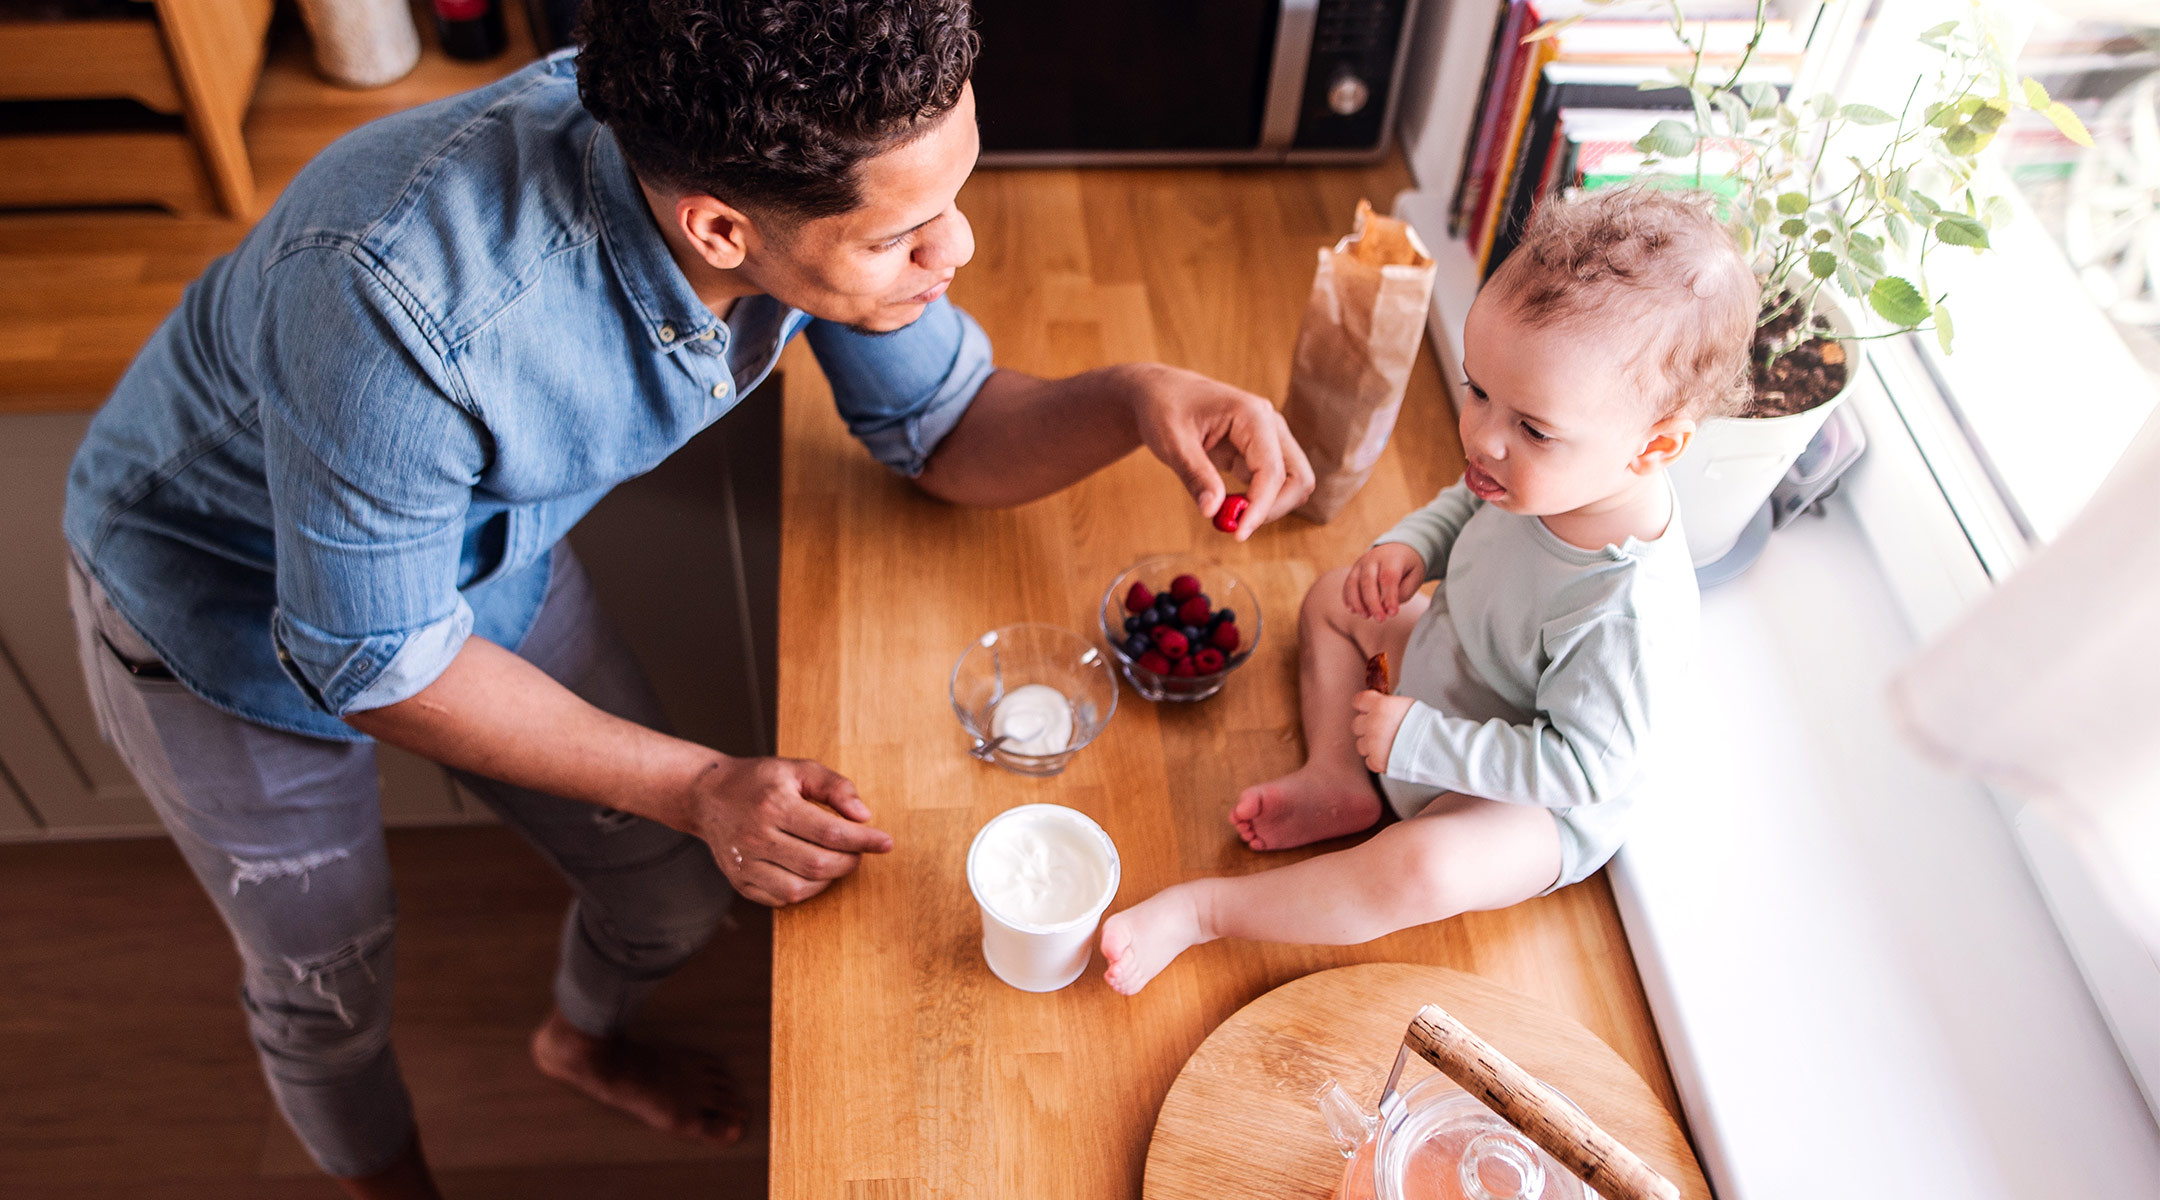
1541	670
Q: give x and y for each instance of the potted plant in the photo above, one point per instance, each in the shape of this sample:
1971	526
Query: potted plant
1839	206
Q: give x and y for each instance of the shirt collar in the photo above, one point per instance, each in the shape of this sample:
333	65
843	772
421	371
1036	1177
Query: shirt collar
671	312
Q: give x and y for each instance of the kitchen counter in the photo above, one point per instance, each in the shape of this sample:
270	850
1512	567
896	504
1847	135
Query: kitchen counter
901	1067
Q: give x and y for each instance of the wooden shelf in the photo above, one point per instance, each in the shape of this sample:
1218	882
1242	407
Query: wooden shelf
195	57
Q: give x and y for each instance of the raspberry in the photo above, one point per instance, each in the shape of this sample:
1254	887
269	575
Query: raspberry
1170	641
1184	588
1183	669
1207	660
1154	663
1225	637
1138	598
1194	611
1233	507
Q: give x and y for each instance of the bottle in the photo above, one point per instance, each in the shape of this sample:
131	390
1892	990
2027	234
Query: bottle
470	29
553	23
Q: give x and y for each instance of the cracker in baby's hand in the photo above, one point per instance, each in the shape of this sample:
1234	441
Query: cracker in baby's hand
1376	674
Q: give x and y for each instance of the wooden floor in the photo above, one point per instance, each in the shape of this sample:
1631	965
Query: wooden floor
125	1068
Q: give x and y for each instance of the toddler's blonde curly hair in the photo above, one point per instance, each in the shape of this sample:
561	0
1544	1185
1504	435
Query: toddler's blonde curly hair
1652	263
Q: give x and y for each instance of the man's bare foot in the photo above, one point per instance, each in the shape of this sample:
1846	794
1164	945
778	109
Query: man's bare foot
1142	940
1310	804
674	1089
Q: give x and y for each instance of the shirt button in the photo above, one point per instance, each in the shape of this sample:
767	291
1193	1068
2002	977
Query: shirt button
667	333
364	663
719	391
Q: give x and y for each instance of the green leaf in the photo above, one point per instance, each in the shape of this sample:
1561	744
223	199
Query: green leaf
1944	331
1924	203
1961	141
1821	264
1792	203
1735	111
1865	114
2035	94
2067	122
1792	227
1761	99
1939	115
1990	117
1821	236
1899	235
1898	302
1762	210
1672	139
1822	106
1955	229
1934	34
1995	213
1849	283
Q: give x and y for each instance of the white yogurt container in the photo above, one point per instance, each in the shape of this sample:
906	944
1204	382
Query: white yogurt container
1042	874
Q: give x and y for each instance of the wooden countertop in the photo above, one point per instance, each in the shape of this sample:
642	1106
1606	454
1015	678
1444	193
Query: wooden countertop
901	1067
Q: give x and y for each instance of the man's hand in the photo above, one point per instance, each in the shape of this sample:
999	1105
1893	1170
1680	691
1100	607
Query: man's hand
1382	580
1378	717
1200	427
782	829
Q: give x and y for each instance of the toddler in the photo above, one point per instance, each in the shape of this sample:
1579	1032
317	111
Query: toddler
1533	679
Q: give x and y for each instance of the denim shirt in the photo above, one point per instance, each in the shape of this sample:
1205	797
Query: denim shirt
358	439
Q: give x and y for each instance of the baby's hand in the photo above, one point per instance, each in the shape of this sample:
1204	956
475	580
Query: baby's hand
1378	717
1381	579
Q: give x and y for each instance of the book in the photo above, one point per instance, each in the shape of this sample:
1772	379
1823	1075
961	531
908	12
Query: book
1500	82
1516	118
1594	87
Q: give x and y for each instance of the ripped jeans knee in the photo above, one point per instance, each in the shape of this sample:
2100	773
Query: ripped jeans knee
323	1017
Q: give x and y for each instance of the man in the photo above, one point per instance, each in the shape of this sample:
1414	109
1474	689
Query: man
325	504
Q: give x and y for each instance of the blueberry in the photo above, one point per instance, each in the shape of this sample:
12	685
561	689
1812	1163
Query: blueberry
1165	609
1222	616
1137	645
1134	624
1192	634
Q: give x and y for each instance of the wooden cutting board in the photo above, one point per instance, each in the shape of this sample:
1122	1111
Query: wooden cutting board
1241	1121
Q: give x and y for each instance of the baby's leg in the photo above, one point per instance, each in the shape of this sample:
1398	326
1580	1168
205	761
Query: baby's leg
1461	854
1331	795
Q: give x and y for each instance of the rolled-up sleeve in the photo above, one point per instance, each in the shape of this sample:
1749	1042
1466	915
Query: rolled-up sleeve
902	392
371	466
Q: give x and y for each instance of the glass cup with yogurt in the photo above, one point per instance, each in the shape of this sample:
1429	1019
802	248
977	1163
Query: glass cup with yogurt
1032	696
1042	874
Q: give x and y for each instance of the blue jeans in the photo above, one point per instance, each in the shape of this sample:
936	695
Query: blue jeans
285	833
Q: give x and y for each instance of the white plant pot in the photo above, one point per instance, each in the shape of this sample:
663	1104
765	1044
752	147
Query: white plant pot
1733	463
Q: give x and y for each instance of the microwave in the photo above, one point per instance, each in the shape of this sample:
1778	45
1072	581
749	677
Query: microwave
1188	81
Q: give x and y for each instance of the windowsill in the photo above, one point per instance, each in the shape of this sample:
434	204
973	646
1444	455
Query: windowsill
1859	987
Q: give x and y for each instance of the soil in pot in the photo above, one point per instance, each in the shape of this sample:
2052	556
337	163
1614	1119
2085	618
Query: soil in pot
1800	378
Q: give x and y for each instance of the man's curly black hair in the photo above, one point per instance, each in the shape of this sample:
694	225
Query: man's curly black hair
771	105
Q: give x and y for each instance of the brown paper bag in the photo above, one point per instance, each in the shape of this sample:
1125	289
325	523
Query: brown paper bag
1354	352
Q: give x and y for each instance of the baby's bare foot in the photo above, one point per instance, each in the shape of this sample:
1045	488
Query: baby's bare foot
674	1089
1141	941
1310	804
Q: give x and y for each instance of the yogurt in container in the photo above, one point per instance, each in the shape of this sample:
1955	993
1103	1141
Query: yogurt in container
1042	874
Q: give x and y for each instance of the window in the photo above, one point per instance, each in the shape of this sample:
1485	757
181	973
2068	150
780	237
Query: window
2056	362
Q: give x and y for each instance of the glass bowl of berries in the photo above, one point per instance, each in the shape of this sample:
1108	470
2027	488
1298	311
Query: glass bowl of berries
1179	624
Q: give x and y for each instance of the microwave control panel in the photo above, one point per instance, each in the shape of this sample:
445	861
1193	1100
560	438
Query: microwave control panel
1350	74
